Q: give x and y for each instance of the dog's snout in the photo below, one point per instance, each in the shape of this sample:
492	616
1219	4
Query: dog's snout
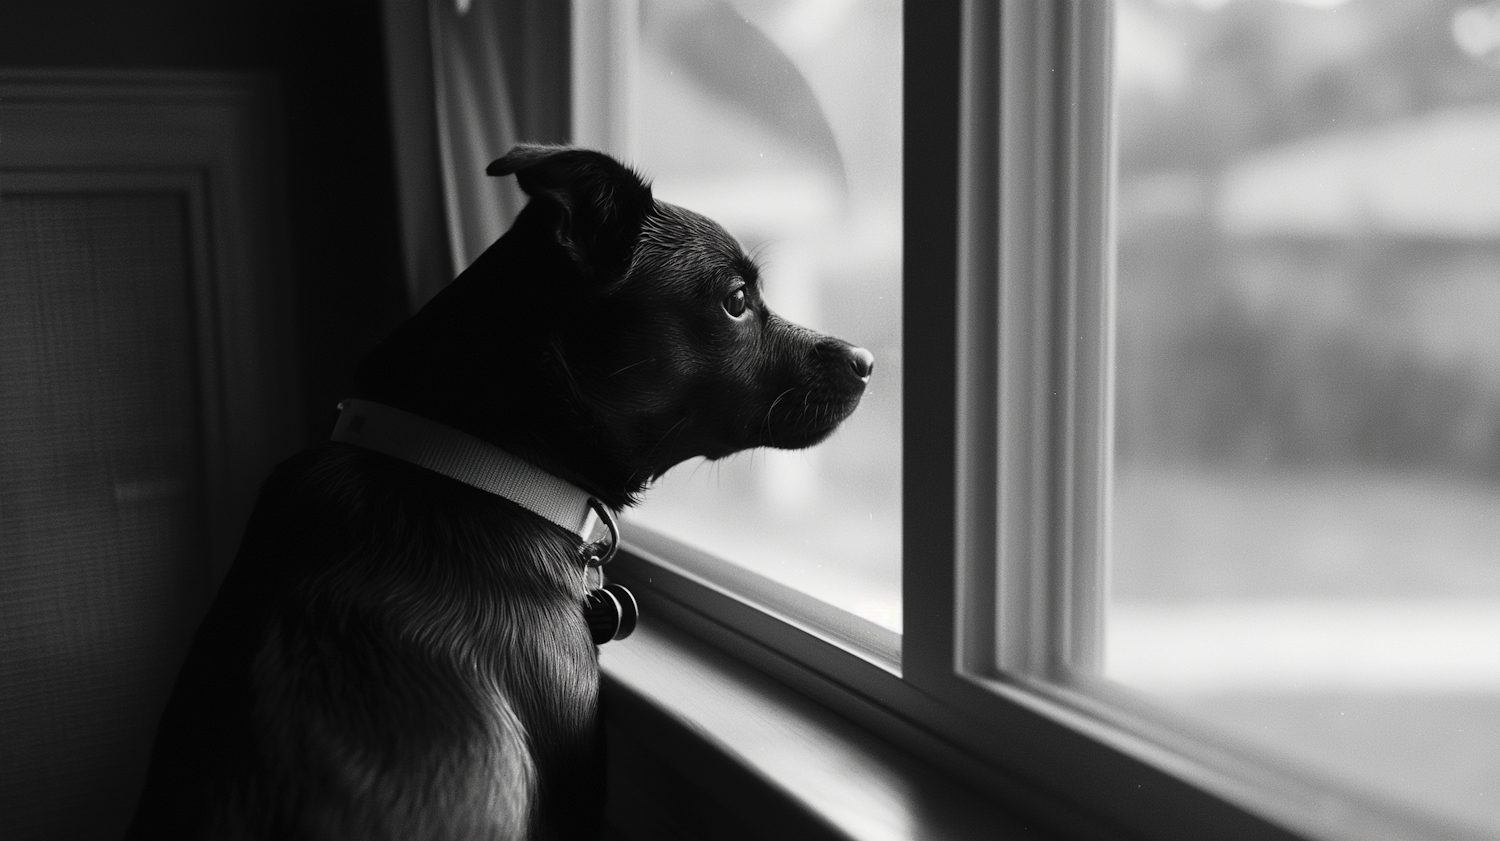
862	361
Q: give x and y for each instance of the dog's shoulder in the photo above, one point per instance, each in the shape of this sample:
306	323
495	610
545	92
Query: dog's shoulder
387	613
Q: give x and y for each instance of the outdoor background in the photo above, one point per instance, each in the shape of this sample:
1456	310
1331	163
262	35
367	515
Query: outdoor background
1306	546
1306	529
782	121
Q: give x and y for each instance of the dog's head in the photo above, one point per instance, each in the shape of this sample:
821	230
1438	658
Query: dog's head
609	336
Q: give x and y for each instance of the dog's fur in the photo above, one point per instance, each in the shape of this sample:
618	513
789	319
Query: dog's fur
399	655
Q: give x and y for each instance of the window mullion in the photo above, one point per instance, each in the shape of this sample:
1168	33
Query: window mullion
930	178
1027	428
1082	337
977	464
1032	310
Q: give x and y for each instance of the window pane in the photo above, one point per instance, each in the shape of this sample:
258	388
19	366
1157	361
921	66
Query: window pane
1306	539
782	121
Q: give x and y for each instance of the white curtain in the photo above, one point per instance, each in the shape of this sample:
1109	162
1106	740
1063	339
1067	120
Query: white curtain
476	124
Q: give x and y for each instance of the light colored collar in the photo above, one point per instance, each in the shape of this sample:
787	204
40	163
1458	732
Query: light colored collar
459	455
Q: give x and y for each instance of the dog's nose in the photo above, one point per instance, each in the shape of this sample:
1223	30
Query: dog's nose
862	361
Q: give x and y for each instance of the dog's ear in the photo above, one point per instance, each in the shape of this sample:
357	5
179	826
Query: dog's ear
599	202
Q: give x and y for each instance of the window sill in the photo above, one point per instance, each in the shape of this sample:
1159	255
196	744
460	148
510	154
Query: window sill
727	720
702	745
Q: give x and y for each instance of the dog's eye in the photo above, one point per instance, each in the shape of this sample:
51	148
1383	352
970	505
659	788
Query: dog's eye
735	303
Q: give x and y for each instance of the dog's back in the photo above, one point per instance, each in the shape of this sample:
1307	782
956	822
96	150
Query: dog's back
394	655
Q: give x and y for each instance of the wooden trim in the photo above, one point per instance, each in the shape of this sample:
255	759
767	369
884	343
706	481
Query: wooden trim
1082	334
689	573
191	188
983	573
1025	745
931	78
771	762
209	137
1034	332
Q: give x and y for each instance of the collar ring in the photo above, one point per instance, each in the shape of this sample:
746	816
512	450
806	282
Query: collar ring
602	551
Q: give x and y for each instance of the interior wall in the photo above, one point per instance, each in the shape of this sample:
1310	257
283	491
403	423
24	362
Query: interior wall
334	207
328	61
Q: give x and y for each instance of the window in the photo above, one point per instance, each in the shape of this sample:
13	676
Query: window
782	121
1297	359
1306	542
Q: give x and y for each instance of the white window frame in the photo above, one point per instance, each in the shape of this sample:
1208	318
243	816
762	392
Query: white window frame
1008	342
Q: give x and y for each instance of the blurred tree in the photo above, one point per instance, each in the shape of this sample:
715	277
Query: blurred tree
1207	369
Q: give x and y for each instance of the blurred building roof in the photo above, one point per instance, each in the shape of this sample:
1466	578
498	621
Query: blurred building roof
1437	176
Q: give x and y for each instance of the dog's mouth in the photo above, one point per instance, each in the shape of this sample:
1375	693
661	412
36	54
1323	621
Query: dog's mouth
822	397
790	407
798	420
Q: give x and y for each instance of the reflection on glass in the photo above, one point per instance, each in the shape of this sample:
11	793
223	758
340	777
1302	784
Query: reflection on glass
1306	547
782	120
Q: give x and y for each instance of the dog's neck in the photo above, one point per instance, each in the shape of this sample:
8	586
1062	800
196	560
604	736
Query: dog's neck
484	347
458	455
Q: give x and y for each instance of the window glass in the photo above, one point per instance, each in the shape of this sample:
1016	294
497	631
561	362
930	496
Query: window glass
782	120
1306	533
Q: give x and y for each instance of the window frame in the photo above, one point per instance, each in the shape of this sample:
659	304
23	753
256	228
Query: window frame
1008	337
983	105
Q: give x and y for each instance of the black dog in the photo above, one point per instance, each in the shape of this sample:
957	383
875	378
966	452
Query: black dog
397	654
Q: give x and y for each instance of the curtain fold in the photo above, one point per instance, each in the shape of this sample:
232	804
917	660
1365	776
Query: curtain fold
501	77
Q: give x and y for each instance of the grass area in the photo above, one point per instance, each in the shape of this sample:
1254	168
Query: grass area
1231	533
1438	752
1223	553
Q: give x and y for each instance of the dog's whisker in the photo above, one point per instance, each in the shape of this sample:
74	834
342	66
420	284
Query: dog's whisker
632	365
664	436
770	435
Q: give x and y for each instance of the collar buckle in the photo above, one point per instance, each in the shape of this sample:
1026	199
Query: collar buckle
602	551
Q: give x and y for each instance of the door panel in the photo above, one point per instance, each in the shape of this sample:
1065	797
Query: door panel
143	397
